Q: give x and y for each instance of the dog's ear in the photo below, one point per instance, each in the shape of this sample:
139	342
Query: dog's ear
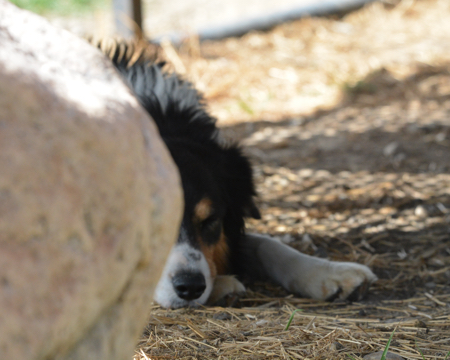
238	178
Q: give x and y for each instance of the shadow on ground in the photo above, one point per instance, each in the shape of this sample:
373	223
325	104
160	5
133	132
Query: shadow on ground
383	124
367	181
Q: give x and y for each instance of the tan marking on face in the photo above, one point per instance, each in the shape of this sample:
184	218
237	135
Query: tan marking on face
208	251
202	210
220	255
216	256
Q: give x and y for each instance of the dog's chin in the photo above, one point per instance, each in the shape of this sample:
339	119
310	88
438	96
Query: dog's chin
170	300
180	303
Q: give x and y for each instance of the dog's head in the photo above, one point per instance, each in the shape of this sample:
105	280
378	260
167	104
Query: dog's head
218	195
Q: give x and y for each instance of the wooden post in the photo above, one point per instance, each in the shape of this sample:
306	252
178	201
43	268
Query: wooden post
128	18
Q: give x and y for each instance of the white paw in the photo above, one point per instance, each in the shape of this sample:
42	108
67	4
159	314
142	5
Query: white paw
340	280
223	286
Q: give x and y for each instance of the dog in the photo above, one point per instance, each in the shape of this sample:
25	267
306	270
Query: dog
213	252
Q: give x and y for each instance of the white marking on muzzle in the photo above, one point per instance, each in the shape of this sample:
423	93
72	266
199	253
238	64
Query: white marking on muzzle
182	258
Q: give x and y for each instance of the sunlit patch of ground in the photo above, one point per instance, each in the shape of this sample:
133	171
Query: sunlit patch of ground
301	66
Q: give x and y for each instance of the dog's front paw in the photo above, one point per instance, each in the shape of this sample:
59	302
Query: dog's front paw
223	286
341	280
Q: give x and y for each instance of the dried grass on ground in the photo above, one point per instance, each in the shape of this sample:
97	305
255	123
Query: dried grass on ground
348	124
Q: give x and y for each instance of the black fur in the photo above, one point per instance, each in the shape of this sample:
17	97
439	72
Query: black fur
207	166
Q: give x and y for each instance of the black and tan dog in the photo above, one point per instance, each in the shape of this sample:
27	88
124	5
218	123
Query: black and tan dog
213	251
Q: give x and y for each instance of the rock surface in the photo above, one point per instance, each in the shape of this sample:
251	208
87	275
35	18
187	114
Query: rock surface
90	200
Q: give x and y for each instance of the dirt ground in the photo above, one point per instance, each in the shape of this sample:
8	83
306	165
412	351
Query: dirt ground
347	123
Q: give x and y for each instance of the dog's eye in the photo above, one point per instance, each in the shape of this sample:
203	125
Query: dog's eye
210	223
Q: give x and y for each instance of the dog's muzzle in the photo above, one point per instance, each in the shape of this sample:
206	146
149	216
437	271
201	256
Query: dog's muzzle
186	279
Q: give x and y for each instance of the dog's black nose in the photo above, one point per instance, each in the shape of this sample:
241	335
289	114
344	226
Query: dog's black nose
189	285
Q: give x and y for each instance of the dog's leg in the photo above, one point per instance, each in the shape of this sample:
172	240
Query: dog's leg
303	274
225	285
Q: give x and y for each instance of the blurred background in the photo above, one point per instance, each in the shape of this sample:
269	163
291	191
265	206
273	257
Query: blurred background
159	17
290	69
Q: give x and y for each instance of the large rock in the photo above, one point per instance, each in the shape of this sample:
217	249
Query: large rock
90	200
